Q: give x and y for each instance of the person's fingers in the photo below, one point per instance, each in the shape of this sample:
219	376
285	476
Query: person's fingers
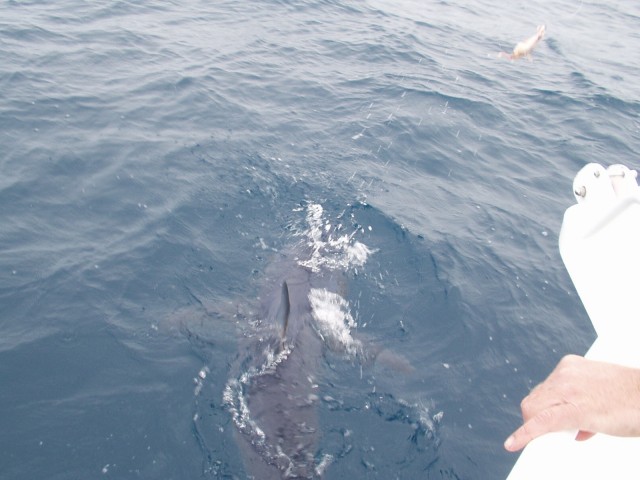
535	402
582	436
542	397
553	390
552	419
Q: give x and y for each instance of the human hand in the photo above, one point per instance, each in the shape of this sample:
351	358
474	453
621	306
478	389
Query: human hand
581	394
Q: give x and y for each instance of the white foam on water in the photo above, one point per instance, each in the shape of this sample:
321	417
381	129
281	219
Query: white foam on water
234	393
333	320
235	399
329	249
333	249
326	461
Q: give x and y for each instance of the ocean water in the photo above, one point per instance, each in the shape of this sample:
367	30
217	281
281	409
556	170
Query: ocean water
158	161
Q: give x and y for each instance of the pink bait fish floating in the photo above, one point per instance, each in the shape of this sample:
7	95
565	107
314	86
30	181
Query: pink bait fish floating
524	49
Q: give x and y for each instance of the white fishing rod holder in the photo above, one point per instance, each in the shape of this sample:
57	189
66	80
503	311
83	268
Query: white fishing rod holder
600	246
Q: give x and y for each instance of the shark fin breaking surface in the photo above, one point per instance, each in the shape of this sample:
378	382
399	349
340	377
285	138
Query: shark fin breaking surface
284	309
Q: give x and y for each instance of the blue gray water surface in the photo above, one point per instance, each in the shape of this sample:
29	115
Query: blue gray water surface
155	157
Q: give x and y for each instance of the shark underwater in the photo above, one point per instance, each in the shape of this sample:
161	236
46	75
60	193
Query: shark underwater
273	394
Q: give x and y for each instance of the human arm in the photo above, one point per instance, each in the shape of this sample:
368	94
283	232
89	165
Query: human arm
581	394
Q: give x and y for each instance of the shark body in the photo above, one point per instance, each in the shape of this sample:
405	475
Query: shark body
274	398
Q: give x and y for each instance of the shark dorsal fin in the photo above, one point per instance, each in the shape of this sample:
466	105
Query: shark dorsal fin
284	309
